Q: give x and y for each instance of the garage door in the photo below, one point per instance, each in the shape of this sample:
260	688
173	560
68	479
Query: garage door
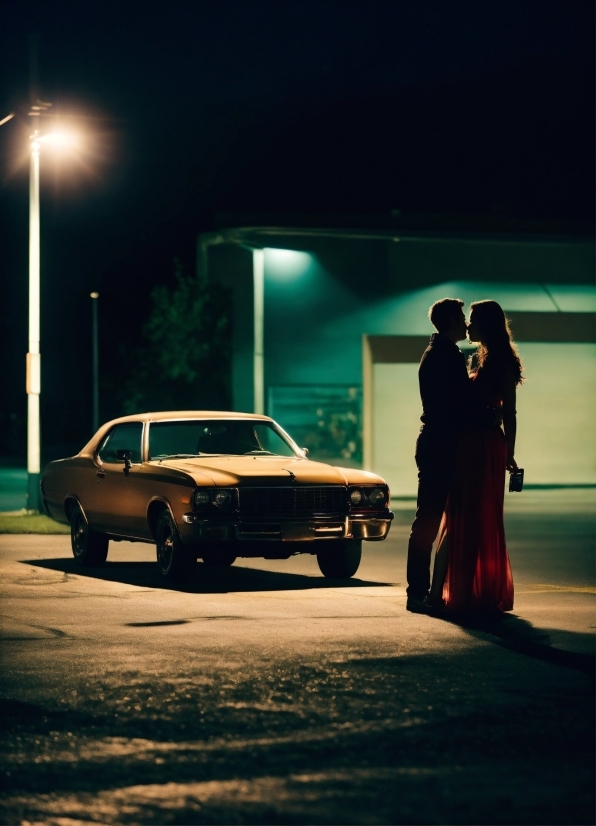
556	440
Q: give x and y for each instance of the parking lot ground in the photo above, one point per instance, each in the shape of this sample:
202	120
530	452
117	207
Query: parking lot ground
267	694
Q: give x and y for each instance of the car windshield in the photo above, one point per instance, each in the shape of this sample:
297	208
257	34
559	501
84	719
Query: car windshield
237	437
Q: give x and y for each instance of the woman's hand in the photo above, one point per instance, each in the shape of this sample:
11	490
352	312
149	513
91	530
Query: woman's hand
511	464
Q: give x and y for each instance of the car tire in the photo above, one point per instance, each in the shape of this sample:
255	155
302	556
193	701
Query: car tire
217	558
340	559
176	562
89	547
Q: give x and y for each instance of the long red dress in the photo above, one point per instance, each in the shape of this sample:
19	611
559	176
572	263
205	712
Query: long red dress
479	573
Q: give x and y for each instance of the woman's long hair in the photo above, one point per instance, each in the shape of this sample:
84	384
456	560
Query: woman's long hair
497	350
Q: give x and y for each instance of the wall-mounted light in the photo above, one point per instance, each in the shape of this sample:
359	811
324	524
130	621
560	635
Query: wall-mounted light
282	263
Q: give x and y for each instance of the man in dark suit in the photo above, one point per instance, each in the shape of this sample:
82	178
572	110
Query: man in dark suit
444	389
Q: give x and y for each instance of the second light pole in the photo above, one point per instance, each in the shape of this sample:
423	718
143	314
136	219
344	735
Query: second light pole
95	334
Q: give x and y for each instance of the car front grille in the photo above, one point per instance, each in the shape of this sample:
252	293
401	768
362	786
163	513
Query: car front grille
302	501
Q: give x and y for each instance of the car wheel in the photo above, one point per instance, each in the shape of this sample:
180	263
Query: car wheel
217	557
89	547
176	562
340	559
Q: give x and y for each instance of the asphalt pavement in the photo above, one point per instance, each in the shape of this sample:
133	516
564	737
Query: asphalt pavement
267	694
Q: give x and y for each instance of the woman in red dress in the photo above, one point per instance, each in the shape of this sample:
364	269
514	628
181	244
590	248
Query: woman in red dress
472	570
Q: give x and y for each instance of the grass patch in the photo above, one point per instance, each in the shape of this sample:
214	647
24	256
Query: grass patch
31	523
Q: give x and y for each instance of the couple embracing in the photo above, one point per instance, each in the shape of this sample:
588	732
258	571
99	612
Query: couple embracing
466	443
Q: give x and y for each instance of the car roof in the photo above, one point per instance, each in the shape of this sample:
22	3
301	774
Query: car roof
169	415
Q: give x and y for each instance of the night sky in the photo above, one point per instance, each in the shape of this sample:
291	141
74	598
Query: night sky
187	110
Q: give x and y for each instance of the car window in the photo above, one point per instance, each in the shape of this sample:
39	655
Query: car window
271	441
122	437
236	437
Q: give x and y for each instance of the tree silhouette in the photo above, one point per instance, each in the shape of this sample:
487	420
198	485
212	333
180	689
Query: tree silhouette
185	361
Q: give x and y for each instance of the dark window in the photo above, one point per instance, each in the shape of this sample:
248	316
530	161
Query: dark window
122	437
237	437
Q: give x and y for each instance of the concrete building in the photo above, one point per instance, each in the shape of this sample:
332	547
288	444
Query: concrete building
330	323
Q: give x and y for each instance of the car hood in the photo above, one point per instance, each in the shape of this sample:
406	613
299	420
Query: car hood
267	470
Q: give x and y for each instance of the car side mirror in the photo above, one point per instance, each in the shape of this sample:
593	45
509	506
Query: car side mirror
126	457
304	450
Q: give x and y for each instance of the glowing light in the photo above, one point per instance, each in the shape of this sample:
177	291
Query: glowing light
58	139
286	263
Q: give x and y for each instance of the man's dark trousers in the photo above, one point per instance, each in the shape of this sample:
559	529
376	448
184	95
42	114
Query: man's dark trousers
444	391
435	460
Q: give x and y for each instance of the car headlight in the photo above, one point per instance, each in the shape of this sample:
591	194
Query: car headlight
356	497
376	497
201	498
223	499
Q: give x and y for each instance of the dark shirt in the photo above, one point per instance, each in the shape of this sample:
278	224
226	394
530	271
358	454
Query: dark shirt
444	389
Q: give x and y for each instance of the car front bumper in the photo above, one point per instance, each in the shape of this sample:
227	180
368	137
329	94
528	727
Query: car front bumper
196	528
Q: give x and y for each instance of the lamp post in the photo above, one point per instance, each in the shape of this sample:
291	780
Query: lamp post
94	307
33	354
37	110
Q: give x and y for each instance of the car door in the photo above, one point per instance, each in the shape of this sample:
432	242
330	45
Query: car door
119	504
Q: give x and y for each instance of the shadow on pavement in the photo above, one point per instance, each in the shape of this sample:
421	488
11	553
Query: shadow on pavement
207	580
526	760
516	634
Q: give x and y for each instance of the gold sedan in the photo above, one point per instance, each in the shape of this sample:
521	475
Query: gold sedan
215	486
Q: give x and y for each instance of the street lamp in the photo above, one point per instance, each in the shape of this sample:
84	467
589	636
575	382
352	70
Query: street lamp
33	354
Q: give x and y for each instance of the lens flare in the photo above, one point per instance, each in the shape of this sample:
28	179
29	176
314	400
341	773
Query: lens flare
61	139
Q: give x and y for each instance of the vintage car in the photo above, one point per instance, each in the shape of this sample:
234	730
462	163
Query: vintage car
214	486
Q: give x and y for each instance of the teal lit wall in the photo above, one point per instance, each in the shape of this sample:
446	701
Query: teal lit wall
316	314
